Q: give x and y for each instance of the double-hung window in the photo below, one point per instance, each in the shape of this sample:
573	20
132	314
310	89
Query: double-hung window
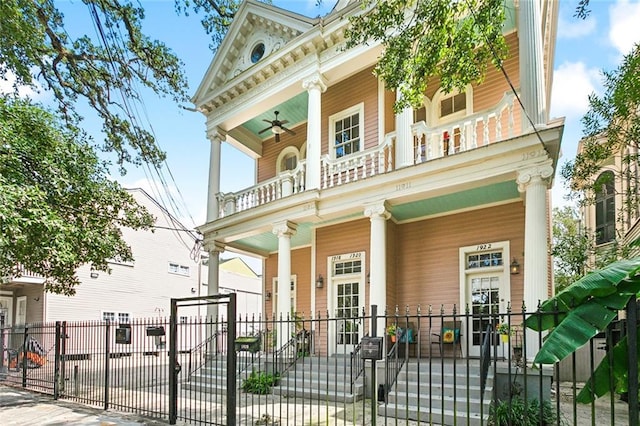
346	131
605	209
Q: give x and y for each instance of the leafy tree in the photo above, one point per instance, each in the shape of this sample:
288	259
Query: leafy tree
58	207
572	247
421	39
37	48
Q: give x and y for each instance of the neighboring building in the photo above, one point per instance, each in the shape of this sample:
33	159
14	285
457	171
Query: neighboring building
614	215
355	205
164	268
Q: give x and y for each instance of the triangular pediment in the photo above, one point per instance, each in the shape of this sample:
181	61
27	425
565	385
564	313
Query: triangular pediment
258	31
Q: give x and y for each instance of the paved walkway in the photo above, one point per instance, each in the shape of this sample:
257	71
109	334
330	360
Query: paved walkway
20	407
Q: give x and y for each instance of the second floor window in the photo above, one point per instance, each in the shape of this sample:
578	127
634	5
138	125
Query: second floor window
175	268
605	209
346	130
453	104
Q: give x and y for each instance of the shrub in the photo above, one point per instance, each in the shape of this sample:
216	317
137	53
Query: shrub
260	382
516	413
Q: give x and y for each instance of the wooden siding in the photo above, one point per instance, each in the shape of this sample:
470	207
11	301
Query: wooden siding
270	150
300	267
361	87
427	253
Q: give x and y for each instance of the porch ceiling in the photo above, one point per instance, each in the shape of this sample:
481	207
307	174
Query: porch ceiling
293	110
477	197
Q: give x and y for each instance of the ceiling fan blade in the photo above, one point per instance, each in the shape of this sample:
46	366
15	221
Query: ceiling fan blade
277	137
284	122
266	121
291	132
264	130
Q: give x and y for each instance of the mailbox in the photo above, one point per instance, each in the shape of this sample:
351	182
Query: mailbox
155	331
248	343
123	334
371	348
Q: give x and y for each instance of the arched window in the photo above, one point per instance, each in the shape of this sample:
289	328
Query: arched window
287	159
605	208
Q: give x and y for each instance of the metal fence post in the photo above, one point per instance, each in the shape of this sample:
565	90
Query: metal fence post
374	367
231	361
173	373
56	367
24	357
632	340
107	356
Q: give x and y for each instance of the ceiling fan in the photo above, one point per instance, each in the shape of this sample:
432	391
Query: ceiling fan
277	127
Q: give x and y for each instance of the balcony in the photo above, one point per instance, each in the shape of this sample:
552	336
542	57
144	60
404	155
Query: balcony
24	276
429	143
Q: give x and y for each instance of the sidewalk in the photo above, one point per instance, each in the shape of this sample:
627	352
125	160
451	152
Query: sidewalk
21	407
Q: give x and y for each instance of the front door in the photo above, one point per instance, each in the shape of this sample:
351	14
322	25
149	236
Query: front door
347	300
6	311
485	307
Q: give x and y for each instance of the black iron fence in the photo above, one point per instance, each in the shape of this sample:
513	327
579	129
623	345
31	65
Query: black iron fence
444	367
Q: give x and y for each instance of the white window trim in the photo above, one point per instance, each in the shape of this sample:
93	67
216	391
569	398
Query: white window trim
116	315
286	151
359	108
440	95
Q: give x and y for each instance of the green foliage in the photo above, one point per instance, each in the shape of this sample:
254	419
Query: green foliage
58	209
107	71
517	413
260	382
571	248
584	309
421	39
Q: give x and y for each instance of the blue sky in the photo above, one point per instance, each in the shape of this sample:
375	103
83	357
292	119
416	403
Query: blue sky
583	49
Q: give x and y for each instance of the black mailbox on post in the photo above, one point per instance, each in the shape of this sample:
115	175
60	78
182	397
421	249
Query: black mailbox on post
371	348
155	330
248	343
123	334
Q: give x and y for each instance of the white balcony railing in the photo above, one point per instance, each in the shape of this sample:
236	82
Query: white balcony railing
367	163
429	143
472	131
283	185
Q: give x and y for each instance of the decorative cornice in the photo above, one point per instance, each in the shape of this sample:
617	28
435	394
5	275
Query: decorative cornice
536	173
378	209
316	81
284	228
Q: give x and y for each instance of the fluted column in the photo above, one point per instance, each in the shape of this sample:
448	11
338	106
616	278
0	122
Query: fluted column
404	137
213	273
532	77
315	86
213	209
284	230
378	215
532	182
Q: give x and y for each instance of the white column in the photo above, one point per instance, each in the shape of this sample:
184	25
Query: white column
532	77
404	137
315	86
213	273
378	215
284	230
532	182
213	209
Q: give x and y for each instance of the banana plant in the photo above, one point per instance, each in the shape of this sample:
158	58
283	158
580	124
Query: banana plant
580	312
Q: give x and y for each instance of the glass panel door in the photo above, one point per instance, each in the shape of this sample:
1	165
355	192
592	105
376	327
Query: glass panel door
347	308
485	307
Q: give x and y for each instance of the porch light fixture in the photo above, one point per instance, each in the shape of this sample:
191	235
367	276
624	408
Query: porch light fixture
514	267
267	296
320	281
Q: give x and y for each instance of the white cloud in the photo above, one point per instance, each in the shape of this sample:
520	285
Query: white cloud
624	24
576	28
9	80
573	82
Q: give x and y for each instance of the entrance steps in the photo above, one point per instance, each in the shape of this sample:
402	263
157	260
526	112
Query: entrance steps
442	392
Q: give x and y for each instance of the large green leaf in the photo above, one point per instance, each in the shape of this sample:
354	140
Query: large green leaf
580	325
601	381
602	284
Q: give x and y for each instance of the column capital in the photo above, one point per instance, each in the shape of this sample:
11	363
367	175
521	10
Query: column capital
378	209
284	228
213	247
216	135
315	81
533	174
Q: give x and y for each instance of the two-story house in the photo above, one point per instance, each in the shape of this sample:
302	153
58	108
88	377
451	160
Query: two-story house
356	205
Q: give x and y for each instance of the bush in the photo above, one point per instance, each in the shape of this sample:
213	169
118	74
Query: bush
515	413
260	382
